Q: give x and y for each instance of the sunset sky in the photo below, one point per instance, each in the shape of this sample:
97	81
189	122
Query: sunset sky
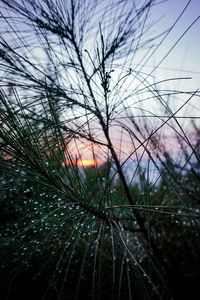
182	61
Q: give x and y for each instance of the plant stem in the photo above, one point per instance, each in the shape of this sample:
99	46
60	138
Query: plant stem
154	250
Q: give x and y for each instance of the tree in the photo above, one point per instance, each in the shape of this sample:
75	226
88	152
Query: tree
70	232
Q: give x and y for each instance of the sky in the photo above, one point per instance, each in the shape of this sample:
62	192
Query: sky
185	56
182	61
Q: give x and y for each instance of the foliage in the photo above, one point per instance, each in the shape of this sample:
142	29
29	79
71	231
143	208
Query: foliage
69	93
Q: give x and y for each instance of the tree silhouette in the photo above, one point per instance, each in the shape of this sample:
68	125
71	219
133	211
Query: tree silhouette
69	92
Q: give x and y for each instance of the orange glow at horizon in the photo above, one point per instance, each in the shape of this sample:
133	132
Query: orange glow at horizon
83	162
